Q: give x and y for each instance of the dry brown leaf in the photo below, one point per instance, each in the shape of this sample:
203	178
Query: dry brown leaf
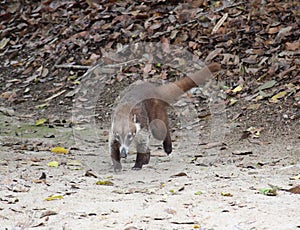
292	46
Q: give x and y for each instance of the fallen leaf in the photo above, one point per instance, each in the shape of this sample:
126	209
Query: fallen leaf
170	211
179	175
198	193
74	163
237	89
3	43
254	106
90	173
268	191
40	121
279	95
59	197
226	194
295	190
104	182
59	150
292	46
295	177
131	228
53	164
42	106
232	101
266	85
48	213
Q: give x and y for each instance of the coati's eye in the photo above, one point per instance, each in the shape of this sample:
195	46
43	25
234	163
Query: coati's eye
117	136
130	136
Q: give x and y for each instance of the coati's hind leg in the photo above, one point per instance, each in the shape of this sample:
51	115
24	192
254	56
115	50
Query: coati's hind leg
167	144
115	155
143	152
160	131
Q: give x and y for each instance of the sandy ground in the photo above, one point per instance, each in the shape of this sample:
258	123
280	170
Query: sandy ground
214	190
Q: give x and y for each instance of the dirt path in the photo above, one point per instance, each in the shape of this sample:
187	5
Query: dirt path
176	192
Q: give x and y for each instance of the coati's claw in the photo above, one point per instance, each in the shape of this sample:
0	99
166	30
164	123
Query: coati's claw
136	168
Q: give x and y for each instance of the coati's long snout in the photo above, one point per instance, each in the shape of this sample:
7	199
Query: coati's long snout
142	111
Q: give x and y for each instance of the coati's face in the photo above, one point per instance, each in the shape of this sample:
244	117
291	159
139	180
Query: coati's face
124	130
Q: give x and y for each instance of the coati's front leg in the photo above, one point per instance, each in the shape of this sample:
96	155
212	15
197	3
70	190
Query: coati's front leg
143	151
115	155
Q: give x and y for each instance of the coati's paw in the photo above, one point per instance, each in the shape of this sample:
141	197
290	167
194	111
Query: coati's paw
141	159
117	167
137	167
167	148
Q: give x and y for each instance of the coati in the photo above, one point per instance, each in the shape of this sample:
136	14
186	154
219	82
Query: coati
142	111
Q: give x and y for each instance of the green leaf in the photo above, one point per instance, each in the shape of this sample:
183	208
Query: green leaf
172	191
268	191
198	193
267	85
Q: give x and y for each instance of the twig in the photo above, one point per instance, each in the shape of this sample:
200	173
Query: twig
71	66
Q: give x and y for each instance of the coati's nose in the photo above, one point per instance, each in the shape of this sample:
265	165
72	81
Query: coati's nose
123	153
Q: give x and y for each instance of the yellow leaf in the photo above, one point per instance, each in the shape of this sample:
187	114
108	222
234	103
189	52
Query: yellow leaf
54	198
104	182
278	96
74	163
237	89
233	101
59	150
295	177
53	164
40	121
226	194
254	106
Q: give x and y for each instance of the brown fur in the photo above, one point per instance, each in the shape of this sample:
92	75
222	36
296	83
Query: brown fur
143	110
